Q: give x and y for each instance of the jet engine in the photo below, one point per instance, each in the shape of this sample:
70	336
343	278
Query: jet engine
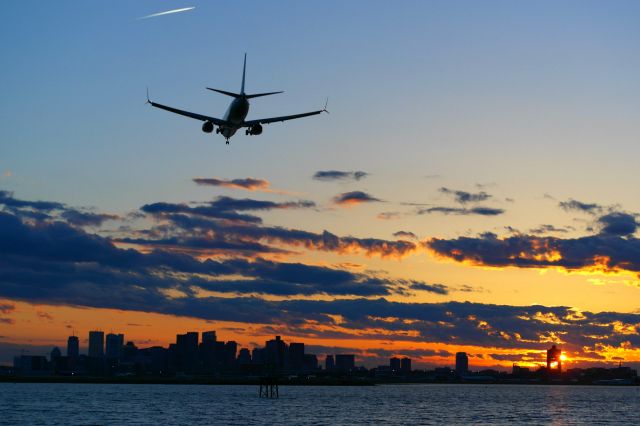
256	129
207	127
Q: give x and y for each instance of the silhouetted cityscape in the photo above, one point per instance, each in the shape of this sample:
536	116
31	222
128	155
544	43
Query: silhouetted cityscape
195	355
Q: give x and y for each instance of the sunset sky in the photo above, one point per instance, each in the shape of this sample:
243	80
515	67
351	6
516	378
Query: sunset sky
474	187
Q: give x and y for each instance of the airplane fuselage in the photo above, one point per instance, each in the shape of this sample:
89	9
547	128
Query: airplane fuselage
236	113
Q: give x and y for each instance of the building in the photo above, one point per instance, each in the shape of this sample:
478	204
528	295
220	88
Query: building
329	363
187	352
73	347
405	365
345	362
96	344
462	363
31	365
115	342
275	352
209	336
296	356
554	359
394	364
244	356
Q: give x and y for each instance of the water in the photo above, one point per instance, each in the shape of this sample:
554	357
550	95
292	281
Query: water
80	404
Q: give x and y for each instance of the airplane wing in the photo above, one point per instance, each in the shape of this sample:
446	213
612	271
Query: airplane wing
283	118
216	121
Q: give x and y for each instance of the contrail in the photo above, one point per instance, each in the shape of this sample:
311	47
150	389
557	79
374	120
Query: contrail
168	12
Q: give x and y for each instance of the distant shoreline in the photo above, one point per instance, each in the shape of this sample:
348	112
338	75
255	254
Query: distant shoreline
251	381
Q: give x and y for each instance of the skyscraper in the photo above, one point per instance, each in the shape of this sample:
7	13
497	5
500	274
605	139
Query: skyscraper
296	356
329	363
394	364
405	365
115	342
73	347
209	336
462	363
345	362
96	344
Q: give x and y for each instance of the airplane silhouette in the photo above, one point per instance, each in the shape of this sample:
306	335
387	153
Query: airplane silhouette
234	118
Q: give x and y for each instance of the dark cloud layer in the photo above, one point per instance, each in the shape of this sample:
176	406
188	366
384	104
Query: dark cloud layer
333	175
58	262
604	252
482	211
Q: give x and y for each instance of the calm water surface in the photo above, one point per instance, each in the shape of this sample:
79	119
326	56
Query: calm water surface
81	404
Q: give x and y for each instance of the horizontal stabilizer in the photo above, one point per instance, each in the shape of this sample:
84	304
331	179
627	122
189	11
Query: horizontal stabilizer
257	95
233	95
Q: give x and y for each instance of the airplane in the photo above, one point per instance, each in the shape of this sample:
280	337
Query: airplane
234	118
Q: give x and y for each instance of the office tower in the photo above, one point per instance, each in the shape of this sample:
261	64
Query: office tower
394	364
115	342
96	344
187	351
73	347
462	363
275	351
329	363
208	336
345	362
296	356
405	365
230	351
244	356
55	354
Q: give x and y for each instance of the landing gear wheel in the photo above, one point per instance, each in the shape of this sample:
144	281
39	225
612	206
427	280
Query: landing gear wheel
227	141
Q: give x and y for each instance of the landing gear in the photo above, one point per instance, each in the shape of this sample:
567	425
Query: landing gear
227	141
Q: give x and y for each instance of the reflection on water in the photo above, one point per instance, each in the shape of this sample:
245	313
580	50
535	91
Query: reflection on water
389	404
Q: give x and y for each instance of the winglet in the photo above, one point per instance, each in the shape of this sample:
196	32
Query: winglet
324	109
148	101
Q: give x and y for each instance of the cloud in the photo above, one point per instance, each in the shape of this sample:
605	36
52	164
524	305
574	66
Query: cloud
605	253
405	234
6	307
79	218
249	184
7	199
574	205
333	175
547	228
482	211
168	12
464	197
354	198
617	223
56	258
225	208
389	215
432	288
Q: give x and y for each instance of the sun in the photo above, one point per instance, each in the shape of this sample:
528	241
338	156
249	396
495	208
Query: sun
563	357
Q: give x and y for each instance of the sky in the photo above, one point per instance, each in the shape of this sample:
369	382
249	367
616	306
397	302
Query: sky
472	188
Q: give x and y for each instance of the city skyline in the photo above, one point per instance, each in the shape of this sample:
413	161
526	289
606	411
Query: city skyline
472	189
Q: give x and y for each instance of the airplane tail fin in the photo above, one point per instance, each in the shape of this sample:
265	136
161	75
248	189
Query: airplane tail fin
257	95
224	92
244	69
242	94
